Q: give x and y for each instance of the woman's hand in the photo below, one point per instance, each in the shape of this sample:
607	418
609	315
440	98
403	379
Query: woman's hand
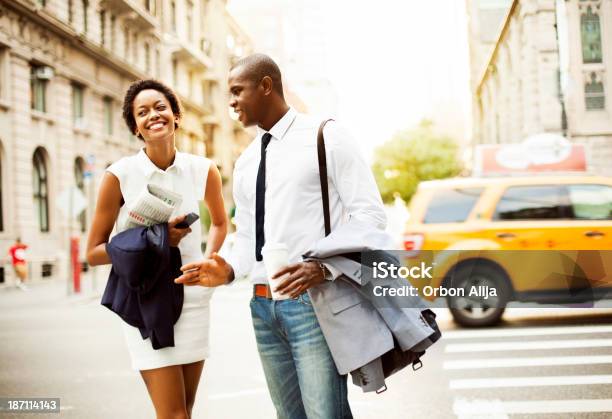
175	235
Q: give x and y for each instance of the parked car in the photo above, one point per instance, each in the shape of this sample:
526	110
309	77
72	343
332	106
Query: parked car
493	221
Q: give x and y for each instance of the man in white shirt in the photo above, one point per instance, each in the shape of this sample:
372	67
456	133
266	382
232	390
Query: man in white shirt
278	199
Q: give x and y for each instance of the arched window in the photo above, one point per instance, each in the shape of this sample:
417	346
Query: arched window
79	179
590	31
40	188
594	96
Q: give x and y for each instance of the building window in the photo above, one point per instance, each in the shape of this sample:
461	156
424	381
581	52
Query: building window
173	15
208	93
147	57
78	93
157	64
79	179
190	21
39	76
126	43
102	27
203	5
594	95
209	140
135	48
205	94
70	12
4	82
113	25
190	81
85	15
40	188
590	31
42	3
174	73
151	6
108	116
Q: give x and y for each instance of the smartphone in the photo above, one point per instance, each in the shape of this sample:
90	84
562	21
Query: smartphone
189	219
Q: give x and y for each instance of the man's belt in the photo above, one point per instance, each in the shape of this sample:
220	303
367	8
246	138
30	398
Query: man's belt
262	290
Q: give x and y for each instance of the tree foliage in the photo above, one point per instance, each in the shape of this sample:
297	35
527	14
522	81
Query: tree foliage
412	156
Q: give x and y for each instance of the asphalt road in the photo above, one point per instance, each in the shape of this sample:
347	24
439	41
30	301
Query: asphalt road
538	363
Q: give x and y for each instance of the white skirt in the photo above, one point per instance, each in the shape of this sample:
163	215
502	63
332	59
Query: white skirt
190	335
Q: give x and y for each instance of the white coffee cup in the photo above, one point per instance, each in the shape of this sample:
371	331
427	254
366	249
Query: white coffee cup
275	257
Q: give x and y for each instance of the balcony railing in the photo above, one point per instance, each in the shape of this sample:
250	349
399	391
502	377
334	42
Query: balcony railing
133	10
190	56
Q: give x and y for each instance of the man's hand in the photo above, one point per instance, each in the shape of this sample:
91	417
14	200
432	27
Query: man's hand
175	235
208	273
302	276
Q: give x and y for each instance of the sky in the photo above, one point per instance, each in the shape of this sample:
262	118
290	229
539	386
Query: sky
387	64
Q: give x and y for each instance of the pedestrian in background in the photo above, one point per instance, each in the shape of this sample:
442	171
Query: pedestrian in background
17	253
152	112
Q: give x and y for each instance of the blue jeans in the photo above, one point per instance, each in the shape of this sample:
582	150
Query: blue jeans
302	378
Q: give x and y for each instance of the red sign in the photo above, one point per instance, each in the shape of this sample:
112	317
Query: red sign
543	154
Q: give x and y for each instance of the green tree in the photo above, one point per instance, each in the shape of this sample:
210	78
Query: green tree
412	156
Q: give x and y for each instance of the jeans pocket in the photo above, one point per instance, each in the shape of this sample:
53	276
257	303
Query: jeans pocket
304	299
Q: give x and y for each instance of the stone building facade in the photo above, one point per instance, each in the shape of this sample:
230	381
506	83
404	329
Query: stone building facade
550	70
64	68
486	18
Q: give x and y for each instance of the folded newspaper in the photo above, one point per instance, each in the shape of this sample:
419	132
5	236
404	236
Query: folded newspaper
154	206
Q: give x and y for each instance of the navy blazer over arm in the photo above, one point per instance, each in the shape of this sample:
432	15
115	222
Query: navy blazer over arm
140	287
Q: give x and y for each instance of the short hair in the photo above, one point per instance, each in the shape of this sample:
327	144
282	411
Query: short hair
137	87
258	66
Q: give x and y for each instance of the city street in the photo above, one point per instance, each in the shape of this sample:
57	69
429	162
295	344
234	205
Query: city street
555	362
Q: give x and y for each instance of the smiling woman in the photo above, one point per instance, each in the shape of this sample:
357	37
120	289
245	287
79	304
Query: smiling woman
152	112
153	98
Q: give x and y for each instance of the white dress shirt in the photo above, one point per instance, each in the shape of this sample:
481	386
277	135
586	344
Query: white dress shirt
293	204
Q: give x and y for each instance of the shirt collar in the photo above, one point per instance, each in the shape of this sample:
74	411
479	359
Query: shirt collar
150	168
279	130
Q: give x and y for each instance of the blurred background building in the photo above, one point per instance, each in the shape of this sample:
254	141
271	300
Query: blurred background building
293	34
543	67
64	68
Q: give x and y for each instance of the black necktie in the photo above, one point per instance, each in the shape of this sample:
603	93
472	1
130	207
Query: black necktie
260	197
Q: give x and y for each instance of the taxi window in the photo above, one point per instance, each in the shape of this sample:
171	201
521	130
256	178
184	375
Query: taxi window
591	202
451	205
541	202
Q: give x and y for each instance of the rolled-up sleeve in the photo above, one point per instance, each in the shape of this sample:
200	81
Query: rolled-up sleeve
352	177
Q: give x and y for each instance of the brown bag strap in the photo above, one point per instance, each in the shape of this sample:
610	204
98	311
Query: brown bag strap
323	176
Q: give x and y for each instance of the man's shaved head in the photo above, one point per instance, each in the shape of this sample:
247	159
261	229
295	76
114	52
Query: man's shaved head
255	67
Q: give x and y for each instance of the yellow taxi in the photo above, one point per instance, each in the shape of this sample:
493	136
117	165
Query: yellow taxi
544	239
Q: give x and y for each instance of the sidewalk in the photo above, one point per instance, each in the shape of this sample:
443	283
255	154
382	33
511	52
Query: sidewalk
46	291
73	348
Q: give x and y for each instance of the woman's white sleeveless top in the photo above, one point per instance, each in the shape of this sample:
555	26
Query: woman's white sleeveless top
187	177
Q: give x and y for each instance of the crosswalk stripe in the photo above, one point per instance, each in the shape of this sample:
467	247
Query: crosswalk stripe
531	331
564	380
530	345
469	364
467	408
